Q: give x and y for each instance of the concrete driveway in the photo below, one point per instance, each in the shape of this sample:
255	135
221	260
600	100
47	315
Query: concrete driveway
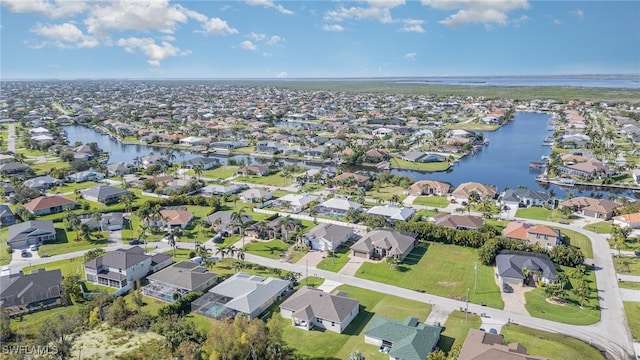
311	258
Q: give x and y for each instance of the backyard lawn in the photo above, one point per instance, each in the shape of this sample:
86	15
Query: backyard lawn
569	313
273	249
549	345
329	345
432	201
633	317
456	329
439	269
67	266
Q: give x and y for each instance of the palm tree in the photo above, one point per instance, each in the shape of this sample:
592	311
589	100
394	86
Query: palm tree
526	273
198	169
173	238
287	223
222	251
238	219
127	199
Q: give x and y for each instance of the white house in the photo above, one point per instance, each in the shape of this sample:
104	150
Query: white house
328	236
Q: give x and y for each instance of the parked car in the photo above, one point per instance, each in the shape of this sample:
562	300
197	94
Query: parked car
493	331
34	248
24	253
135	242
507	288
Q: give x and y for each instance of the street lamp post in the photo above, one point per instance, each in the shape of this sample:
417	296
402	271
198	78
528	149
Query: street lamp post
466	311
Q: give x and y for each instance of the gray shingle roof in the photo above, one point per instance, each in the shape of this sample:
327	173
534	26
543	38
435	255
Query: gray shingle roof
309	302
510	265
37	286
30	228
120	258
185	274
248	292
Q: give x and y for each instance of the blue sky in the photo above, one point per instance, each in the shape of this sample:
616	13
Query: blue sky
293	39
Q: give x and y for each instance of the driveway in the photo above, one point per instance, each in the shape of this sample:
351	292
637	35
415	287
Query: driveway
630	295
514	301
352	266
311	258
115	237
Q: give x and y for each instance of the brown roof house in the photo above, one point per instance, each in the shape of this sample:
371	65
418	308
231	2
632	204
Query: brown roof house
542	235
460	222
309	308
464	190
380	243
480	345
595	208
429	187
44	205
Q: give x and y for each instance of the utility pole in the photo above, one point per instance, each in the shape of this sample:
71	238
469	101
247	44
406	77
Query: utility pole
306	277
475	277
466	311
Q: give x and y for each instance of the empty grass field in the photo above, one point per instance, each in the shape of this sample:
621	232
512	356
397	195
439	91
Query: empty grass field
632	309
549	345
444	270
431	201
456	329
273	249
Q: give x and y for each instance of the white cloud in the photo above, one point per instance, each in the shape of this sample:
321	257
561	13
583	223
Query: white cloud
334	27
378	10
154	52
411	25
577	13
270	4
557	22
217	26
282	75
54	9
248	45
65	35
389	4
257	37
274	40
411	56
477	11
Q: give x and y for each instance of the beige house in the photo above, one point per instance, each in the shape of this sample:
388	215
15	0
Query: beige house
377	244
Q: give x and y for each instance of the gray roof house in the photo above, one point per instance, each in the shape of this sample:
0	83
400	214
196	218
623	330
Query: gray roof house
526	198
119	168
337	205
215	189
6	215
255	195
511	263
22	293
241	293
181	278
407	340
310	307
108	221
104	194
222	219
380	243
205	162
392	212
33	232
41	182
87	175
327	236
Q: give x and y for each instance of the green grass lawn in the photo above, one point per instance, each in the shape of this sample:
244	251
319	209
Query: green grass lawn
534	212
386	193
329	345
549	345
444	270
397	163
602	227
627	265
569	313
629	285
576	239
273	249
273	179
29	325
67	266
432	201
456	329
72	187
5	256
221	172
65	243
336	262
632	309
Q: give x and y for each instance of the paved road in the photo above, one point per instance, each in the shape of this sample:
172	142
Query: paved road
11	140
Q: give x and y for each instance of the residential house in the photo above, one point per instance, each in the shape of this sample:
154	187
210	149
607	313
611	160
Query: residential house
41	183
255	195
540	235
227	145
6	158
628	220
260	170
590	169
277	228
270	147
464	190
418	156
39	290
459	222
308	308
392	212
296	203
13	168
526	198
172	218
180	278
6	215
224	222
350	179
510	266
337	206
49	204
402	340
107	222
241	293
32	232
595	208
119	168
327	236
119	268
87	175
104	194
376	156
376	244
214	189
149	160
482	345
429	187
205	162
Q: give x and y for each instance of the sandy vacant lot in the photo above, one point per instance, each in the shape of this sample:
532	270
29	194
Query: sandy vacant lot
105	343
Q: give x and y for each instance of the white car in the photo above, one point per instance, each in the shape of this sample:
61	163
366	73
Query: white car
34	248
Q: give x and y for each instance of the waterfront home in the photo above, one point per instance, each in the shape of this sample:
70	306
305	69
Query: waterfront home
392	212
429	187
510	265
178	280
464	191
459	222
260	170
49	204
589	169
595	208
87	175
349	179
149	160
104	194
7	216
242	293
541	235
327	236
32	232
407	340
295	203
270	147
526	198
41	183
21	294
205	162
119	168
421	157
379	243
628	220
481	345
312	308
227	145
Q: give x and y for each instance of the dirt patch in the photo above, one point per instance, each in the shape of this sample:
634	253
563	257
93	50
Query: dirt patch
105	343
556	301
448	283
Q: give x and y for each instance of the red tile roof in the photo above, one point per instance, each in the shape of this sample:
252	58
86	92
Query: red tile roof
46	202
